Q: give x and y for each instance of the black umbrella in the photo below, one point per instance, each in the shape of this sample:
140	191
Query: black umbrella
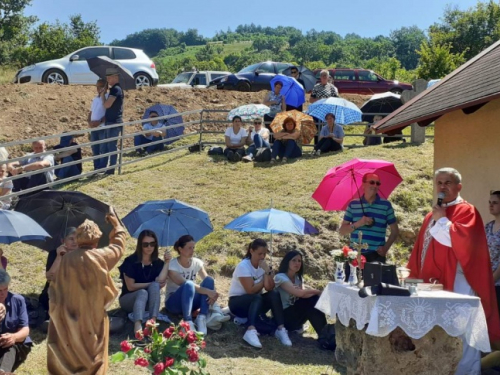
305	75
383	103
56	211
99	64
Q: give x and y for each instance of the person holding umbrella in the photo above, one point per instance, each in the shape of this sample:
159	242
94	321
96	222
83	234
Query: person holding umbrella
331	137
285	145
157	132
294	72
276	103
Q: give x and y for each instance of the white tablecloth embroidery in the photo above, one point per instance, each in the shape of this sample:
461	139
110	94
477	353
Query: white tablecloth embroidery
457	314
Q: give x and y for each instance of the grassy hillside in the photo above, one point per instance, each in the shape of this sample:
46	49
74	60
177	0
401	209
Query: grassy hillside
226	191
7	74
191	50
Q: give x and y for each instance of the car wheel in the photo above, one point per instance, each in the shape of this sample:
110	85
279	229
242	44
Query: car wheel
397	91
243	86
55	76
142	79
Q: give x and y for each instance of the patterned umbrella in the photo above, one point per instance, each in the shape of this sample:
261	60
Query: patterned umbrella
345	112
165	110
248	112
305	124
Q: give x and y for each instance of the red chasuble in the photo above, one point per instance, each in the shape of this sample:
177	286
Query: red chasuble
469	247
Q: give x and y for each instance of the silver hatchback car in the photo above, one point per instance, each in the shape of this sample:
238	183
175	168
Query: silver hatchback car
73	68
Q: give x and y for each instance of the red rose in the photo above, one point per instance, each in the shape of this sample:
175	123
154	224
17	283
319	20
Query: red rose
182	334
159	368
203	344
185	325
191	337
355	261
139	335
147	350
169	362
193	356
150	323
146	332
126	346
346	250
143	362
168	332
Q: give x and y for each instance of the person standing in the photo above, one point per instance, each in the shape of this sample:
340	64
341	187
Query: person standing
78	337
294	72
451	248
96	120
371	215
114	115
323	89
493	238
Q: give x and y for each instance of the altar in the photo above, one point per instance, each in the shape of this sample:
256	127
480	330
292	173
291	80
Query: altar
420	334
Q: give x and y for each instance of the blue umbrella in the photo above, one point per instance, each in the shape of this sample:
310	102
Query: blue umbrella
165	110
291	90
169	219
345	112
272	221
16	226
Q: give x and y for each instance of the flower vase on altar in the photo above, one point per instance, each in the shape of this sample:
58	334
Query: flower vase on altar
353	275
339	273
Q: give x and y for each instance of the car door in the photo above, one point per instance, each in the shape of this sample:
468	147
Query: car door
345	81
263	76
78	71
199	80
127	58
369	83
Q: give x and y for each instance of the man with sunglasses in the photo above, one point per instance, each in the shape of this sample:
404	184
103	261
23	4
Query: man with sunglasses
371	215
257	138
452	249
294	73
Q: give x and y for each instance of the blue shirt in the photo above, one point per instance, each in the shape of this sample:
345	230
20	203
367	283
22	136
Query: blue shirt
134	269
16	316
150	126
114	114
338	131
380	211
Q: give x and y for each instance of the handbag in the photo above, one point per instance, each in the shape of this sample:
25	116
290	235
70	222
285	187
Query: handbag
375	273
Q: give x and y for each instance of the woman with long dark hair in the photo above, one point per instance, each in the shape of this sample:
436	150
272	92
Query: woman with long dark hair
298	303
143	274
185	296
246	298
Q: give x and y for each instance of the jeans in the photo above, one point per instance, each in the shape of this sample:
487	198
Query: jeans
288	149
137	301
185	300
252	305
25	183
258	142
140	140
240	151
97	135
303	310
11	358
69	171
110	146
327	145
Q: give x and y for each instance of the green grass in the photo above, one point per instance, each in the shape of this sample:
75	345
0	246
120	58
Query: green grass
227	191
192	50
7	74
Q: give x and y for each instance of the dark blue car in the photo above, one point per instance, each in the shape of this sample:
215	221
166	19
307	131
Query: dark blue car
255	77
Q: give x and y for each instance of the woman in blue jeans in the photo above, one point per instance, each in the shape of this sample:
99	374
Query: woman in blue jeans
257	138
285	145
185	296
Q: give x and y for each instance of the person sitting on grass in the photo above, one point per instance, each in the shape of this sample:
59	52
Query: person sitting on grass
68	157
157	133
298	303
143	274
331	137
256	139
184	296
246	298
236	139
285	145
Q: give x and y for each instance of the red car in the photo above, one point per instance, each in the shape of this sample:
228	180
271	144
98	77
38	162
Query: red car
363	81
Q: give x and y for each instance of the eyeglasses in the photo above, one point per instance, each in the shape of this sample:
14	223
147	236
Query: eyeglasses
149	244
257	122
373	182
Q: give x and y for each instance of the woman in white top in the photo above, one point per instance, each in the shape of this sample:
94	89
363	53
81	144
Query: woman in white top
235	138
257	138
185	296
246	299
298	303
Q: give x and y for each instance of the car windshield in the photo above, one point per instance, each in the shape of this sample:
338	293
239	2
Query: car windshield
250	68
183	78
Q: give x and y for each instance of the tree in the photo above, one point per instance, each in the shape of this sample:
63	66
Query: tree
152	41
406	42
436	60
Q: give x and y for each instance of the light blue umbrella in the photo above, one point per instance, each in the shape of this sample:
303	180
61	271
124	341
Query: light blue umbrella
16	226
291	90
248	112
165	110
169	219
345	112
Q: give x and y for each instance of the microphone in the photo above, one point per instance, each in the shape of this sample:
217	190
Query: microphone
440	199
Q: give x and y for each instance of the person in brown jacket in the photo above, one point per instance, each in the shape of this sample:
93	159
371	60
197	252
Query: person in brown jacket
83	289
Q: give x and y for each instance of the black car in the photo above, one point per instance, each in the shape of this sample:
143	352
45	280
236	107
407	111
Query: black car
255	77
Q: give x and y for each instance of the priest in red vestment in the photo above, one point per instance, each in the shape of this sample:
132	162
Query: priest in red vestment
451	249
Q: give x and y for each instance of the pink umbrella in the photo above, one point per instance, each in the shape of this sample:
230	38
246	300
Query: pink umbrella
342	184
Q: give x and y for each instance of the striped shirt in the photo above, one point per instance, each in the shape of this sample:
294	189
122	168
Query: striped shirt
382	213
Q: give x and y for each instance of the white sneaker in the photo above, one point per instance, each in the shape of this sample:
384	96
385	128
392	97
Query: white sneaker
252	337
201	323
318	153
282	335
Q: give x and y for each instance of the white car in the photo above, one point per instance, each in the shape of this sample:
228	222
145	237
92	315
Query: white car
198	79
73	68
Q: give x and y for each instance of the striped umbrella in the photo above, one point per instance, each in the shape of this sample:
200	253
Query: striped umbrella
345	111
248	112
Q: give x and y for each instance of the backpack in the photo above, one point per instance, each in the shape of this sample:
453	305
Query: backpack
215	151
263	154
326	338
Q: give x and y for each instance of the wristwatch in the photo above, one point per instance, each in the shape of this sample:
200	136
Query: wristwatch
353	227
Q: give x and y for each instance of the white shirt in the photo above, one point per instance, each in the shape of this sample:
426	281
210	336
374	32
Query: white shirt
6	202
235	139
186	273
97	109
263	132
244	269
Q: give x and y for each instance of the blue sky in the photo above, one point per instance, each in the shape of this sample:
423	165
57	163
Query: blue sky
118	18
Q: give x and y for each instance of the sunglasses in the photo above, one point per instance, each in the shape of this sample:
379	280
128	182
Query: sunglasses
149	244
257	122
373	182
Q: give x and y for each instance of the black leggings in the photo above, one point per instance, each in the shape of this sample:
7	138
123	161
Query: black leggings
252	305
303	310
327	145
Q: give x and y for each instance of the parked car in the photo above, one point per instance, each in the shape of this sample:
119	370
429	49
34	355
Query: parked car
255	77
195	78
73	68
363	81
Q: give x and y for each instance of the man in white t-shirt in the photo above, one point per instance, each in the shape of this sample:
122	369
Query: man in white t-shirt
235	139
257	138
96	119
